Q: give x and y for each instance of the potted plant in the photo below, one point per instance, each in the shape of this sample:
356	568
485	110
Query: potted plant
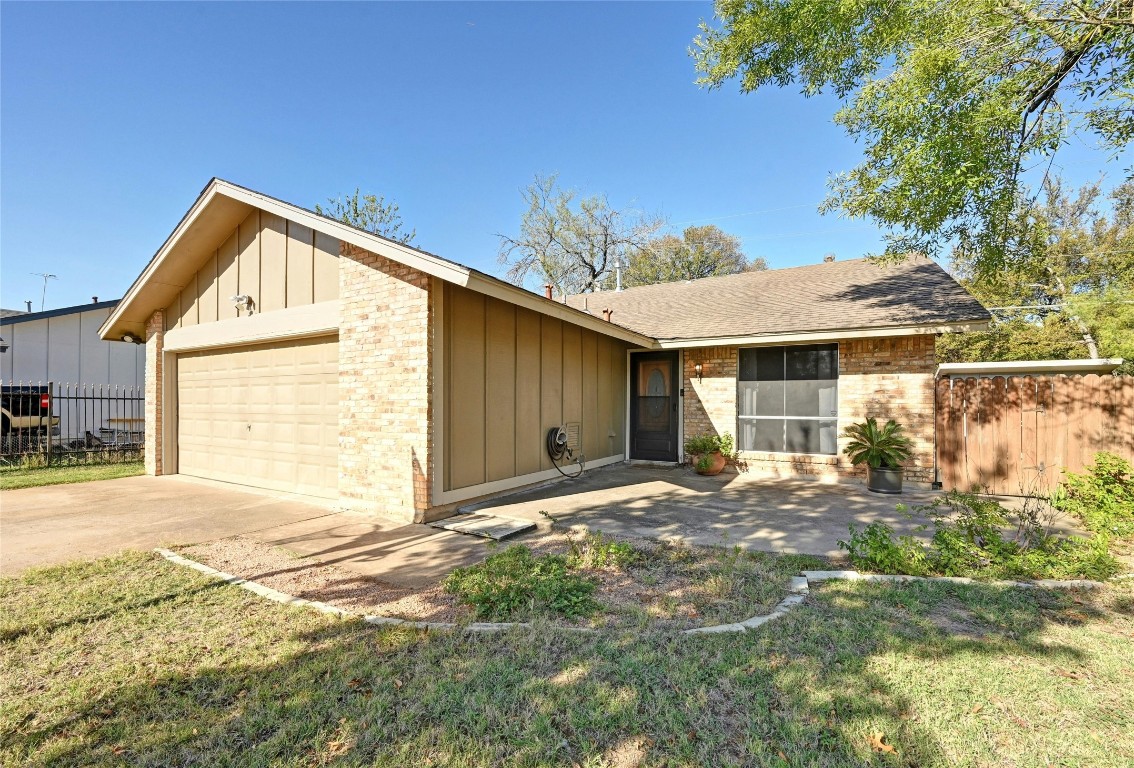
883	451
709	453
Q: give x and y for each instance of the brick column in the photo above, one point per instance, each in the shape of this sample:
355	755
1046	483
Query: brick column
890	378
155	343
385	385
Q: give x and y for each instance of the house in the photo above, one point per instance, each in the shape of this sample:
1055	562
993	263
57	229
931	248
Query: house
62	347
293	352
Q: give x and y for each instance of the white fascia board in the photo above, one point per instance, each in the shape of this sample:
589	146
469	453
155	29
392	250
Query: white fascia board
512	294
813	336
1024	367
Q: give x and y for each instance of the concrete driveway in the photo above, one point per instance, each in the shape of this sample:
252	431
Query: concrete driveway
57	523
772	515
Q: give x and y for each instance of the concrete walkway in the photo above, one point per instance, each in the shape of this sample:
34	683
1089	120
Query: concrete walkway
771	515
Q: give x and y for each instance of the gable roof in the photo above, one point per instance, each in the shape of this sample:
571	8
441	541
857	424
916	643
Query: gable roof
830	298
222	205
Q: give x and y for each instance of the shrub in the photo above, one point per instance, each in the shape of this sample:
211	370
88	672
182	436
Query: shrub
700	445
597	550
968	540
876	447
516	582
1102	497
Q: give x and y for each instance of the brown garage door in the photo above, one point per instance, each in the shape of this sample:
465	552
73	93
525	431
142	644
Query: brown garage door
264	415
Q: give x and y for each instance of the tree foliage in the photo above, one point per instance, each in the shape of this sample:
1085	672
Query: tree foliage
369	212
699	252
571	242
952	101
1068	291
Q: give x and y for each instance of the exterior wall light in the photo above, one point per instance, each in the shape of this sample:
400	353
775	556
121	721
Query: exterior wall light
242	302
698	368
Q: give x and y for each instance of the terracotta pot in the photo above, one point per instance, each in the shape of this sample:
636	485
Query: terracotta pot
718	463
884	480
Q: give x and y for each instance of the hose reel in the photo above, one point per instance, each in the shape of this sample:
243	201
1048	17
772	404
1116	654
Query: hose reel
563	442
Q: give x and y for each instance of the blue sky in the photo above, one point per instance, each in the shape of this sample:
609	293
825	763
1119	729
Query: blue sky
113	117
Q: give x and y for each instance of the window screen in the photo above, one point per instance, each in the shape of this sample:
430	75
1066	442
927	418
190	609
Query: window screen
788	398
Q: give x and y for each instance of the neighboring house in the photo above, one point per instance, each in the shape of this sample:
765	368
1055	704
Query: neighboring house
62	347
290	351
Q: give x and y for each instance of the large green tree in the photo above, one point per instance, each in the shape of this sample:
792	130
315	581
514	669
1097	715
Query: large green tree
1069	290
570	242
952	101
700	252
369	212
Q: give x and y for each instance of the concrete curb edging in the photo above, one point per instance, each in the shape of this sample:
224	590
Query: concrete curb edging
1037	584
800	587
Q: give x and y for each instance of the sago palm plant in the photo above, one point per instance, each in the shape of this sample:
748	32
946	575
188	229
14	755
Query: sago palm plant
887	447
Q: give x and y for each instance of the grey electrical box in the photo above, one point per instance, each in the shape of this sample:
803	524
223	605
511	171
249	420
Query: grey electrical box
574	435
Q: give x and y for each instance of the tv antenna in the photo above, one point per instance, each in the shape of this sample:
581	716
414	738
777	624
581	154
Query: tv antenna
46	277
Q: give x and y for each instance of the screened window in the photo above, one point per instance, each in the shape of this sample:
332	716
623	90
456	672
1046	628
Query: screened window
788	398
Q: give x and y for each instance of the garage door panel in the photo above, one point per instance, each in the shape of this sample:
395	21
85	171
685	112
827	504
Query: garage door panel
265	416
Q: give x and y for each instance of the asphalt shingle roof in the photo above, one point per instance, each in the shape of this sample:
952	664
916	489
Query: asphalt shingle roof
853	294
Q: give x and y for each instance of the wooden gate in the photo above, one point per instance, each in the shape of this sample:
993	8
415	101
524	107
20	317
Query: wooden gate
1015	435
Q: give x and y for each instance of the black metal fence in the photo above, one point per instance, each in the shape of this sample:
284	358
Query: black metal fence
55	424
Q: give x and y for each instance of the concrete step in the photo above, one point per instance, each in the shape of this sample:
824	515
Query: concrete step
488	526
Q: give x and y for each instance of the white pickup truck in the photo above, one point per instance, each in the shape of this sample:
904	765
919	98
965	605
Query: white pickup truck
26	408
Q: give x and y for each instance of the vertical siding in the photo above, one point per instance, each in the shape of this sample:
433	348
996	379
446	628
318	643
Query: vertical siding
228	273
207	290
466	397
277	262
273	262
66	349
551	380
248	260
500	390
300	264
529	439
512	374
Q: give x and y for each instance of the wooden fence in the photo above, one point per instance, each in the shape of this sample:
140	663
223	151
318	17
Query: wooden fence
1015	435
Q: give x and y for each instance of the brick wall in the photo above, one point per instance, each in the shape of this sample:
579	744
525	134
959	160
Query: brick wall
885	378
155	343
385	385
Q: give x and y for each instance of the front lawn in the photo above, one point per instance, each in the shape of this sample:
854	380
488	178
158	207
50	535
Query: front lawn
15	477
134	660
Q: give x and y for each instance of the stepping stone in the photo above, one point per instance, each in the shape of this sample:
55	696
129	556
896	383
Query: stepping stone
488	526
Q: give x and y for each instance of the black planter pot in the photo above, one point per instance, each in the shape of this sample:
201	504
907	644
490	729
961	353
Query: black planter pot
884	480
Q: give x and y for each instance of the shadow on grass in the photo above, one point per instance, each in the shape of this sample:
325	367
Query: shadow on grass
803	691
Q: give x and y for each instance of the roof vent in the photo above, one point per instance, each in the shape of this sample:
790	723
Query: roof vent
828	258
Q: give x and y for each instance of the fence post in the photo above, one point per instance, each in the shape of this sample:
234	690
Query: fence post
50	412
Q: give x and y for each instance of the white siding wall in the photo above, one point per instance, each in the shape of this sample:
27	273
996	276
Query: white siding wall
66	350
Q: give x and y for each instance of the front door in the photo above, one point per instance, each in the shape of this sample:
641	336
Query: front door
653	406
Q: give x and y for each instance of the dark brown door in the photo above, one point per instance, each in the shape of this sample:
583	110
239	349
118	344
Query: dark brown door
653	406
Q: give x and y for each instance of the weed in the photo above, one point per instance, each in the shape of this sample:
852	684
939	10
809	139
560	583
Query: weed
515	583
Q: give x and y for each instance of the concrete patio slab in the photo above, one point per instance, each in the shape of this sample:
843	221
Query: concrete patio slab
675	503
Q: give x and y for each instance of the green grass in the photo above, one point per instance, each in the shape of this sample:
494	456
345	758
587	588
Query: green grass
133	660
13	478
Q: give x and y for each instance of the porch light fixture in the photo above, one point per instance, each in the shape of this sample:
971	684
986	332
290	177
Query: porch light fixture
698	368
242	302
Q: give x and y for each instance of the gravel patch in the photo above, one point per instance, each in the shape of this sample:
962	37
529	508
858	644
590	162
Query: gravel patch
280	569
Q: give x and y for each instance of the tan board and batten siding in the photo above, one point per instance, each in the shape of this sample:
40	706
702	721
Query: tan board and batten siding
264	415
279	263
511	374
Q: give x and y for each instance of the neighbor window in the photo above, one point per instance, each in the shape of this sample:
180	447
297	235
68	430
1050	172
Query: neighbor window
788	398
